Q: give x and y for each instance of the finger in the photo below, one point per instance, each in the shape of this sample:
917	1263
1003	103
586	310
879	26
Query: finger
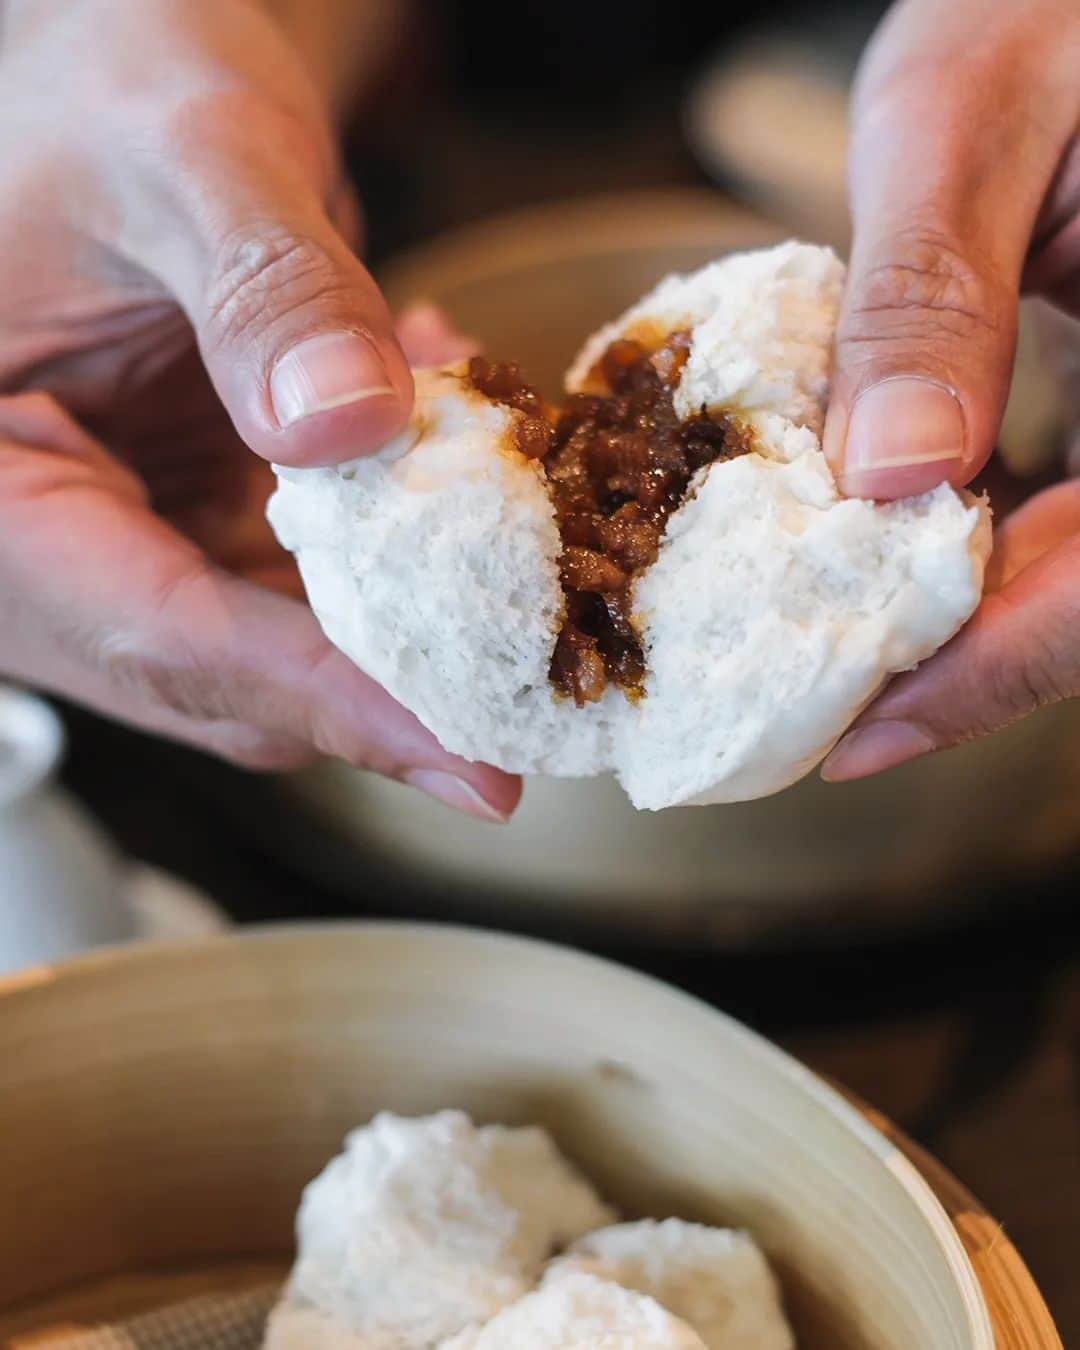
347	216
93	582
293	330
429	338
1047	520
247	746
960	116
1019	652
1052	268
35	422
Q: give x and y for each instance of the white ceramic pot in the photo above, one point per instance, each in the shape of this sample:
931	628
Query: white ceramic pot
60	883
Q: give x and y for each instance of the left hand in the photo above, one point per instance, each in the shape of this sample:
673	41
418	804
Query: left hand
154	592
179	279
965	187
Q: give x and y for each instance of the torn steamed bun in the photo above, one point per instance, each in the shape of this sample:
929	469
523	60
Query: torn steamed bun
762	329
420	1228
434	565
714	1279
580	1310
662	580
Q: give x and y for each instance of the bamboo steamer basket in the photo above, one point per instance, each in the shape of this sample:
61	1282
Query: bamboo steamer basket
163	1106
911	845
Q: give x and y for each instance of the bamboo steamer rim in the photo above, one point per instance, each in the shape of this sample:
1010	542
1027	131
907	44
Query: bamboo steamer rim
1018	1312
1019	1317
575	230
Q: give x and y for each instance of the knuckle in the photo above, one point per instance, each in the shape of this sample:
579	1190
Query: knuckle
35	403
1043	668
213	111
198	110
263	276
1052	668
226	111
1014	688
155	661
925	287
33	412
164	676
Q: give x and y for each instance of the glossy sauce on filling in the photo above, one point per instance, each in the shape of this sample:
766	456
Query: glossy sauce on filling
618	464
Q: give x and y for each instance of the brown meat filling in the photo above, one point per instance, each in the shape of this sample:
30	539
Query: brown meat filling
618	465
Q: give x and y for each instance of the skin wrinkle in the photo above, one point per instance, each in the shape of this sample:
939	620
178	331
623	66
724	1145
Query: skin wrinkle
932	271
899	299
251	288
906	330
203	680
903	286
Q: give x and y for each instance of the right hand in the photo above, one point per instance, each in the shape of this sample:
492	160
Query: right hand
965	186
177	282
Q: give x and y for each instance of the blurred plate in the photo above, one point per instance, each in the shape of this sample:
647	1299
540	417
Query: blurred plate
771	119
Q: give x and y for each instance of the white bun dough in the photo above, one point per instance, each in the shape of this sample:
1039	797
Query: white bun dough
436	1234
714	1279
774	613
583	1312
420	1228
762	326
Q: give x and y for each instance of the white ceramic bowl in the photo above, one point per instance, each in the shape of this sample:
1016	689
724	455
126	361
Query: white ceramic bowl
61	888
164	1105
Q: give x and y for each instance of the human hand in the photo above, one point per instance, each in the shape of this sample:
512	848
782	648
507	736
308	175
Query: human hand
964	177
176	279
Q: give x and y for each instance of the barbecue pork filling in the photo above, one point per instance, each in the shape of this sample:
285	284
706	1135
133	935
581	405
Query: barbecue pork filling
618	463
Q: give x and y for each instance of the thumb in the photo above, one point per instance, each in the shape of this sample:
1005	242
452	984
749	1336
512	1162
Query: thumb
293	331
945	189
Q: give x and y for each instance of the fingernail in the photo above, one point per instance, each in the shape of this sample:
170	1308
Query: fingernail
905	429
456	792
871	749
326	372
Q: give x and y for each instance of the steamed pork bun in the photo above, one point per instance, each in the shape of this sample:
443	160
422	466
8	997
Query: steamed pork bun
580	1310
423	1227
435	1234
709	641
714	1279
